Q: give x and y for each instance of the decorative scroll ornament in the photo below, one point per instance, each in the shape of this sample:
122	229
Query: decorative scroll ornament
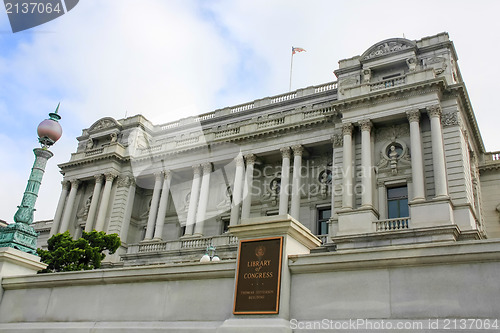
450	119
386	48
337	140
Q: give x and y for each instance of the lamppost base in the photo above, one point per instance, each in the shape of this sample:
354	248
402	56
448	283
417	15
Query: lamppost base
19	236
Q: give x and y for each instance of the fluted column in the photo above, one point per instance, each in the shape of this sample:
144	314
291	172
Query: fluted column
68	210
347	184
366	164
237	190
103	208
95	201
162	210
438	158
417	161
203	203
130	182
60	208
193	201
153	208
296	181
285	180
248	186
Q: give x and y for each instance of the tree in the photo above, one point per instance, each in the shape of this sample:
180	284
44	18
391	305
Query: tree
67	254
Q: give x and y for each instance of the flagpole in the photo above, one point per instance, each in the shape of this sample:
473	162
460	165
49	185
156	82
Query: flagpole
291	64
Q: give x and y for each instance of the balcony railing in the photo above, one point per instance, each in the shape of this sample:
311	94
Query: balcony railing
388	83
183	244
393	224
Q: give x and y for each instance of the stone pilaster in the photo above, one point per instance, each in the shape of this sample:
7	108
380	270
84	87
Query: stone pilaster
237	190
204	195
153	209
366	164
104	207
70	203
95	201
248	186
296	181
438	157
285	180
60	208
160	219
121	205
193	201
417	162
347	166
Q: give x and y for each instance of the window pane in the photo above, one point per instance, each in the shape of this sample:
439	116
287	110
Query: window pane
325	214
393	211
323	228
397	192
403	208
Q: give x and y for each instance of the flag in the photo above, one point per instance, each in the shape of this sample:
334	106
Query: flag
297	49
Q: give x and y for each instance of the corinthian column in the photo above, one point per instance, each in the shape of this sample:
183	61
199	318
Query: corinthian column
153	208
417	164
193	200
296	180
347	190
204	193
285	180
60	208
366	163
93	205
69	205
238	182
103	208
438	158
248	186
160	219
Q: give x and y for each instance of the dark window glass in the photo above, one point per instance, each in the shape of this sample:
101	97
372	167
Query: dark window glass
397	202
324	215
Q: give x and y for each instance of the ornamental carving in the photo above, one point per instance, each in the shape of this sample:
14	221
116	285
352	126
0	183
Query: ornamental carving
438	63
285	152
65	185
240	162
207	168
393	132
250	159
110	177
98	178
385	48
366	125
104	123
297	150
196	170
337	140
434	111
347	129
450	119
413	115
124	181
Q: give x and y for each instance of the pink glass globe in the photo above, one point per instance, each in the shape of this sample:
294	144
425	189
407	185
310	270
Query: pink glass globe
50	129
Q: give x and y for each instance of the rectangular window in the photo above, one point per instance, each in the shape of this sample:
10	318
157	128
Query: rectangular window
225	225
324	215
397	202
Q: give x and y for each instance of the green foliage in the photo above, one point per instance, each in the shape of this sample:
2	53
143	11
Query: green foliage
67	254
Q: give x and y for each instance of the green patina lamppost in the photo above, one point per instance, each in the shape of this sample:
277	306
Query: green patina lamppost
21	235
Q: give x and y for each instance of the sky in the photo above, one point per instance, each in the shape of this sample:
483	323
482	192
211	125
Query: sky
169	59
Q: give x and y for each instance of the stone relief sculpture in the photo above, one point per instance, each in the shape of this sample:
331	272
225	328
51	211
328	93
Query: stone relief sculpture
412	64
367	73
272	191
90	144
226	202
325	179
84	211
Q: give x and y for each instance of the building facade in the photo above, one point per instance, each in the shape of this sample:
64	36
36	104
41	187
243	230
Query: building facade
391	151
386	166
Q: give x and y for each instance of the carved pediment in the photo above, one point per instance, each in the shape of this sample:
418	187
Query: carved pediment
104	123
388	46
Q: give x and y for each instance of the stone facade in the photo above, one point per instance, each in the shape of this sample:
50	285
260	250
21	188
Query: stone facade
386	166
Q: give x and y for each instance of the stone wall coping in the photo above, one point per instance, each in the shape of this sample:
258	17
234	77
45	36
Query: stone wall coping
394	256
166	272
23	259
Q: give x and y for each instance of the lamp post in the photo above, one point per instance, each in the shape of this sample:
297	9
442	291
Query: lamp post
210	255
21	235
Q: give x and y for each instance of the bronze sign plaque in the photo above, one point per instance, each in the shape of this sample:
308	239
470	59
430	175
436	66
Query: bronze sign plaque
259	276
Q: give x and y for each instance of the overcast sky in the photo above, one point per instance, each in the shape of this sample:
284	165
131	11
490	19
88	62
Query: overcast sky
168	59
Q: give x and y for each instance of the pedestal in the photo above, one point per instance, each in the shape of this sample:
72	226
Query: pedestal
19	236
297	239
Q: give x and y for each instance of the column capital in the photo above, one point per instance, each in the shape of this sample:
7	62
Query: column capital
347	129
75	183
285	152
65	184
207	168
196	169
239	160
366	125
158	175
166	174
110	176
413	115
434	111
297	150
250	159
99	178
